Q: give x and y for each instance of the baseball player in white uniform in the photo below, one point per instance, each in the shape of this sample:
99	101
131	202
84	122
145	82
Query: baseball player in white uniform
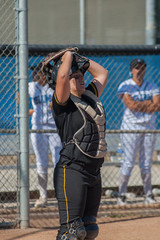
41	96
141	101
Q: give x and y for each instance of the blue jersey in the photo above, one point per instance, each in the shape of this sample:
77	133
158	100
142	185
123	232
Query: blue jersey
138	120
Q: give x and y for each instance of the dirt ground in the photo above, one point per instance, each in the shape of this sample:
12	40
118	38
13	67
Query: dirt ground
137	229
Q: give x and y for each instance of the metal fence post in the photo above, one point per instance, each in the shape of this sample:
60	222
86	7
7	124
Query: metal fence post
82	22
23	113
150	22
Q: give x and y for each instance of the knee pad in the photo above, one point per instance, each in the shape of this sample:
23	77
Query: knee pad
72	231
91	227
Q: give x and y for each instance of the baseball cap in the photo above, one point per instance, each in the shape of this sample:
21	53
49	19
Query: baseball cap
136	62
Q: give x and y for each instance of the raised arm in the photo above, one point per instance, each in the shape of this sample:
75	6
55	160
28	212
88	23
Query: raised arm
62	86
100	76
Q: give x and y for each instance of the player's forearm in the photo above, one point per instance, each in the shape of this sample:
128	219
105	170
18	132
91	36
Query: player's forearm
154	107
64	69
97	71
146	106
138	106
100	75
62	85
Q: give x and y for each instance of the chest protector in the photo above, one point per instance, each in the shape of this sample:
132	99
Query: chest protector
90	138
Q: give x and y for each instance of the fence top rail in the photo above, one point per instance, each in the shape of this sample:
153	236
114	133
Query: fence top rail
13	131
100	49
36	49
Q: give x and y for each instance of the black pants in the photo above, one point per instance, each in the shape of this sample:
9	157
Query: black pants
78	191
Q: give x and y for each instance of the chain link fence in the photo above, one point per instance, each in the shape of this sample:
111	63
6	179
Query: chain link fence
8	137
116	59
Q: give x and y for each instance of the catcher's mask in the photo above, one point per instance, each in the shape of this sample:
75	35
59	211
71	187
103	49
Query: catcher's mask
78	63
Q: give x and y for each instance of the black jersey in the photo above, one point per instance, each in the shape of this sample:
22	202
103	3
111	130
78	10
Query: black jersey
69	120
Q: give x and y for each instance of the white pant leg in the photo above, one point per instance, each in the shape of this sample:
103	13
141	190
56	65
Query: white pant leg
55	147
130	143
42	181
145	160
40	147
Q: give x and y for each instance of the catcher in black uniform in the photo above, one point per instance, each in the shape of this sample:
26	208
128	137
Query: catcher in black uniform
80	120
